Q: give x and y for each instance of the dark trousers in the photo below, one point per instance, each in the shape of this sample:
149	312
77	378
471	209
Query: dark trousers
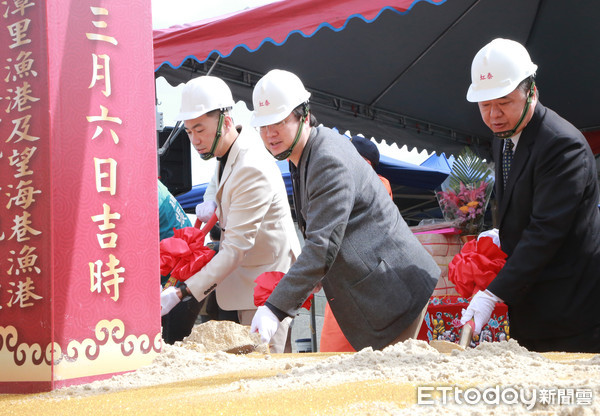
178	323
213	312
588	341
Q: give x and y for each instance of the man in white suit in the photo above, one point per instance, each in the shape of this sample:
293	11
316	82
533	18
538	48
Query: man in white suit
251	204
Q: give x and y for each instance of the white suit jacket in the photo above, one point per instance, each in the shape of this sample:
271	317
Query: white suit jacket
259	233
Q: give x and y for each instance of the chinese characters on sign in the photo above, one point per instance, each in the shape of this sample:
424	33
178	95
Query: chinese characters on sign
17	102
106	275
19	190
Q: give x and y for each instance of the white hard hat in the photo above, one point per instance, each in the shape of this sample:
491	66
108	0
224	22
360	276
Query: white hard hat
202	95
275	96
497	70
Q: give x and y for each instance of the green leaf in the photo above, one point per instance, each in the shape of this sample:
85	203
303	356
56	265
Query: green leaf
469	168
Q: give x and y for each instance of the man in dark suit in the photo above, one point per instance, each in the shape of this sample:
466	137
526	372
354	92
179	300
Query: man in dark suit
375	273
547	192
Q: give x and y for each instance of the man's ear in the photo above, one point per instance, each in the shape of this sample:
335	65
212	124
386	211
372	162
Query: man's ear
228	122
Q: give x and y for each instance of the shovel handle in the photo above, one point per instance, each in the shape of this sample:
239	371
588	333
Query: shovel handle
209	224
466	334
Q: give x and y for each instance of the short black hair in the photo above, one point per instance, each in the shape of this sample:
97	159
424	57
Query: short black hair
525	85
299	112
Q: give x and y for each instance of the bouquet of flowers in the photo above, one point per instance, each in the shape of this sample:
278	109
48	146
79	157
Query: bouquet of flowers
465	194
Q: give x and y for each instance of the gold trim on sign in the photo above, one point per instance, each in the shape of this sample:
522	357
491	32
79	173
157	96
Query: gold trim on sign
110	351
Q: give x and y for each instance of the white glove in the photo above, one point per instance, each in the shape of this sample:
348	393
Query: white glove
480	309
168	300
205	210
265	323
493	233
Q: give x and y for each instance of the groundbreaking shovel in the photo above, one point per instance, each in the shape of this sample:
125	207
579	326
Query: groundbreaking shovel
464	340
466	334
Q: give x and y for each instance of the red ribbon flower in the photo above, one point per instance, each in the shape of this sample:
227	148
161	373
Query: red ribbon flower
265	284
477	264
184	254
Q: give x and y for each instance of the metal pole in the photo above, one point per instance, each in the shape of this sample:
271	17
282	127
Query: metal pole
313	325
176	130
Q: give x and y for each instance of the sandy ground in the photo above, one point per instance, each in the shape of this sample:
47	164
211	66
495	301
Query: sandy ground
364	383
411	378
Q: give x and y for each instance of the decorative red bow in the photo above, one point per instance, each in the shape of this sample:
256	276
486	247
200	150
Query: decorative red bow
477	264
265	284
185	254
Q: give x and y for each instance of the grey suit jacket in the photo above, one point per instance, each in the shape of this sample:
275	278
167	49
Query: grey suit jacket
376	275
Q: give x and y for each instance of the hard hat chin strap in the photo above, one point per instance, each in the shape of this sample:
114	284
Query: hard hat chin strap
509	133
286	153
211	153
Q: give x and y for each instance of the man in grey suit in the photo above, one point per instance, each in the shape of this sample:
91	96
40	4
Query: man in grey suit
376	275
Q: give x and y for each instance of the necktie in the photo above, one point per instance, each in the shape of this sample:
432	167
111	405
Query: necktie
507	157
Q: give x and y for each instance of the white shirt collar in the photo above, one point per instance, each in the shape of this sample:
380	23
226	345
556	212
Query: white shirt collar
515	140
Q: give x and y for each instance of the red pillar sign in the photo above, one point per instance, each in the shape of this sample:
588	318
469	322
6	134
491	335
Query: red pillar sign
79	263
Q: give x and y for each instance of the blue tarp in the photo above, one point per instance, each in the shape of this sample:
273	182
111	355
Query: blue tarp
399	173
440	163
195	196
410	175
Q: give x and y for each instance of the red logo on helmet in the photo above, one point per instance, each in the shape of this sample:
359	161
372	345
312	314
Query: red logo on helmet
483	77
263	104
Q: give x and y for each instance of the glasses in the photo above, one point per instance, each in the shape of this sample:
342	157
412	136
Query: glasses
274	126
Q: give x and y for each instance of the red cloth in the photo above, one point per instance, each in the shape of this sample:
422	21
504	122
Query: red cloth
265	284
184	254
593	138
475	266
442	321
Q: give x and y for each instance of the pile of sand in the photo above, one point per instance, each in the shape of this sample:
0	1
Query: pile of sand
413	364
213	336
